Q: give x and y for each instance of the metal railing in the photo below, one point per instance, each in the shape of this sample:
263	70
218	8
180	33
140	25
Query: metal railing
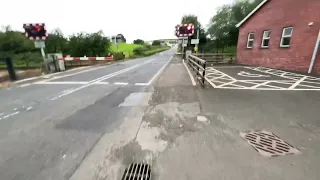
198	65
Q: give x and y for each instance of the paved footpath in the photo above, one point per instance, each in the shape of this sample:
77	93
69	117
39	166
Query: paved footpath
187	132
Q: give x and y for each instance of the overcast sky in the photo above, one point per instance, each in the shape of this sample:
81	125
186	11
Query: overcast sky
144	19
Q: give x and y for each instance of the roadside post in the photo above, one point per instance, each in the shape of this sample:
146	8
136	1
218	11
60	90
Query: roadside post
10	67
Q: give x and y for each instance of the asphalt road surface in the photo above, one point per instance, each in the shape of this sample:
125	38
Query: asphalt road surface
48	127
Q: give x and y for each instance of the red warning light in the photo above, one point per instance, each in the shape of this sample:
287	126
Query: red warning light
37	29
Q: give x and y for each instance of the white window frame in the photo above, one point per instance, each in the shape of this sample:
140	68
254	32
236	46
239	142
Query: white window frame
248	40
286	36
265	38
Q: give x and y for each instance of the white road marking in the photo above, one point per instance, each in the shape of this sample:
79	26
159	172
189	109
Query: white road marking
25	85
154	77
9	115
101	79
121	83
29	108
28	79
62	82
248	74
190	75
101	83
231	82
297	83
72	74
141	84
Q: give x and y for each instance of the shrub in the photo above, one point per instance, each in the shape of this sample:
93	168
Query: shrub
139	50
156	43
118	56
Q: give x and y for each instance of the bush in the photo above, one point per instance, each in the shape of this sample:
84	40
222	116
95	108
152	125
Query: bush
156	43
139	50
138	41
118	56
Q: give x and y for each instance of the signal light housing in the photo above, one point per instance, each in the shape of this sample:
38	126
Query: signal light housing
184	30
35	31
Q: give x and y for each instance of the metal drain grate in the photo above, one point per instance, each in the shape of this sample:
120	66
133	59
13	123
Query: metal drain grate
137	172
268	144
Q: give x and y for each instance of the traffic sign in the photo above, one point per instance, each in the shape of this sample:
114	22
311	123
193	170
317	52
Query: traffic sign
194	41
39	44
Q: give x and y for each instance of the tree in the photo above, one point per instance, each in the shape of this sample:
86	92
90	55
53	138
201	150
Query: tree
222	30
190	19
56	42
138	41
193	19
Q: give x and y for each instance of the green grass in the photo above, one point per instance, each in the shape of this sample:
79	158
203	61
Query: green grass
126	48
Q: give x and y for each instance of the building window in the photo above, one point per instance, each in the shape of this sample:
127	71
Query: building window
250	40
286	37
265	39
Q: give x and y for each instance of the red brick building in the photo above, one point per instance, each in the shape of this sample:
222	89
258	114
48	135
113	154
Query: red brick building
281	34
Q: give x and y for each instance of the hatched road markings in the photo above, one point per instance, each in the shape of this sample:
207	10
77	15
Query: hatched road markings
293	81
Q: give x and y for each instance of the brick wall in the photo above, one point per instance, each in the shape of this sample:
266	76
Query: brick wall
274	16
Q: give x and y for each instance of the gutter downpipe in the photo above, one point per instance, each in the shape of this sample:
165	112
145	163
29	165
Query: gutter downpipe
315	52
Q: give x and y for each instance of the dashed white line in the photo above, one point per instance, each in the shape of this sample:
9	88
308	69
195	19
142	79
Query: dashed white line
141	84
121	83
9	115
108	76
29	108
103	83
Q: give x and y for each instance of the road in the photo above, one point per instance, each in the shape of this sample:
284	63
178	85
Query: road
48	127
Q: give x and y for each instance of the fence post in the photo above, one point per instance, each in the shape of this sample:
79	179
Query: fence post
204	73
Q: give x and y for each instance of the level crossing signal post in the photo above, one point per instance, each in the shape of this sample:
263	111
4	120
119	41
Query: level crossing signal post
37	32
184	32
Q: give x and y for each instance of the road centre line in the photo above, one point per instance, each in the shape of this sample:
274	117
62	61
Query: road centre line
101	79
121	83
141	84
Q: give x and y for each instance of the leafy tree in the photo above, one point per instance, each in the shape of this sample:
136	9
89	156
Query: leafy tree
193	19
222	30
138	41
56	42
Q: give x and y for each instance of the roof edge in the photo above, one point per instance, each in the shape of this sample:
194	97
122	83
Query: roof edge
251	13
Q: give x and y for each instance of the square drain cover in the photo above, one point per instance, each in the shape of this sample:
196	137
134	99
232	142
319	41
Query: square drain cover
137	172
268	144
